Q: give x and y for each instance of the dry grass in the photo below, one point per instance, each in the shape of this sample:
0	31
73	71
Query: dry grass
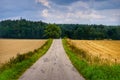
105	50
11	47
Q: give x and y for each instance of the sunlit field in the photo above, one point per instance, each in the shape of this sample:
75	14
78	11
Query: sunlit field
105	50
12	47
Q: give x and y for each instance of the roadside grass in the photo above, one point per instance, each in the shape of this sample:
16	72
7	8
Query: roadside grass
14	68
97	54
91	71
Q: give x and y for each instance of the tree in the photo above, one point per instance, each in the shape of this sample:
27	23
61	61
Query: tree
25	29
52	31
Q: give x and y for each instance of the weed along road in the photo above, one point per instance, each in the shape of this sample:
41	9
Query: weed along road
54	65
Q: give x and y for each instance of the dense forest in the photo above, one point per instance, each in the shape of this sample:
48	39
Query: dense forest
36	30
78	31
22	29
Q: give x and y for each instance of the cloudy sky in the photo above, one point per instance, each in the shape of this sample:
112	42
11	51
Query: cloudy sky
63	11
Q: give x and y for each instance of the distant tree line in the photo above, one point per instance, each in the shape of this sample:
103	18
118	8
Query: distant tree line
22	29
25	29
90	32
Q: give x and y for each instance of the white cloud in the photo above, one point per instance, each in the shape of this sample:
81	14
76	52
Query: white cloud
80	4
111	16
66	14
44	2
45	13
96	16
81	13
12	18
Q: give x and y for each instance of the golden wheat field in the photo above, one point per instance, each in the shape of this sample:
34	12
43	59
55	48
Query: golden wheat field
11	47
103	49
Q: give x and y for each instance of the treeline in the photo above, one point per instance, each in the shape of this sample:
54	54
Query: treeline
22	29
36	30
78	31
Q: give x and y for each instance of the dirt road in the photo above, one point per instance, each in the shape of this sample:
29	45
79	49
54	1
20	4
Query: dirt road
54	65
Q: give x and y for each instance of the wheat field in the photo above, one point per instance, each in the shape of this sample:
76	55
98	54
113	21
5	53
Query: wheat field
104	49
11	47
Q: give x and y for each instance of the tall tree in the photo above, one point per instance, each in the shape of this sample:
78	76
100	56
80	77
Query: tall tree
52	31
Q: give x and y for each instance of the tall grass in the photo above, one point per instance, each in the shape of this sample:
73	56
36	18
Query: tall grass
16	66
91	71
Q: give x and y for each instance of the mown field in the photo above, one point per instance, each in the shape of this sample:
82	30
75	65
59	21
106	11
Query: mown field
82	54
12	47
105	50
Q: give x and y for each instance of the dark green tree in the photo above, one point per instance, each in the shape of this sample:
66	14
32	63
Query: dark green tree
52	31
